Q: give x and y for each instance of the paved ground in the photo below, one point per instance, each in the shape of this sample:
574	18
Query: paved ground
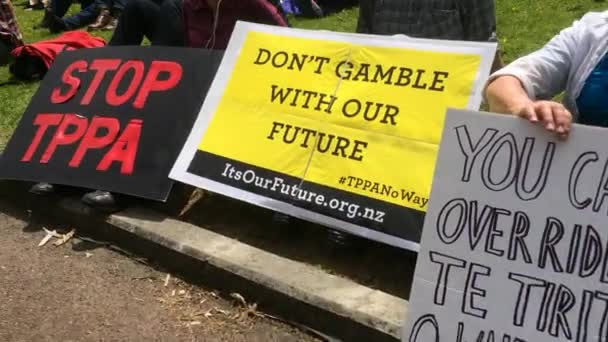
69	293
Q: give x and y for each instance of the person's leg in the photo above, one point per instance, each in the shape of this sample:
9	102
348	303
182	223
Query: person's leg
46	19
86	16
138	19
60	7
170	28
366	15
118	4
83	18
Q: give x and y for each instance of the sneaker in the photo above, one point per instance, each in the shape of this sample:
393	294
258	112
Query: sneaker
46	19
102	20
111	26
56	24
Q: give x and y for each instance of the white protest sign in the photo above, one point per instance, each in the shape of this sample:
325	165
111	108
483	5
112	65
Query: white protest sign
514	247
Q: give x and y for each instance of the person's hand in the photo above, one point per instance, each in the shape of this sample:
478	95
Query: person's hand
553	115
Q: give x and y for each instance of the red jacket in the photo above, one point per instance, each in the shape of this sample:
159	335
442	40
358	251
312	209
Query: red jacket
199	20
48	50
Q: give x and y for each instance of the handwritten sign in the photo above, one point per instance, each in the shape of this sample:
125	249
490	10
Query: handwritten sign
515	245
340	129
105	119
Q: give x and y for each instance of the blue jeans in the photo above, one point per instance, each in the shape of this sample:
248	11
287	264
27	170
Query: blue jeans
88	14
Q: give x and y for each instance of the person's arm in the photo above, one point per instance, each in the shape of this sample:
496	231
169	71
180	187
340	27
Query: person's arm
266	13
506	94
527	86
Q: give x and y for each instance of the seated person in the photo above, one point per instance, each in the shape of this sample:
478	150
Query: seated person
10	36
574	61
224	14
471	20
172	23
90	12
160	22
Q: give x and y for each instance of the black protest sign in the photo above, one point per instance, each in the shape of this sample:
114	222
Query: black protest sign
515	245
112	119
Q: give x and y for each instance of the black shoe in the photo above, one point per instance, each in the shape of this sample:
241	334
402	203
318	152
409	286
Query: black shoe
42	189
339	239
103	200
46	20
281	220
56	24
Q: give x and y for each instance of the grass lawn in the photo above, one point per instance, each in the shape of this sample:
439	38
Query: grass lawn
523	26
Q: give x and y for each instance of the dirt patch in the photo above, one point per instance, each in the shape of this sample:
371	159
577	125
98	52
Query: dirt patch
77	292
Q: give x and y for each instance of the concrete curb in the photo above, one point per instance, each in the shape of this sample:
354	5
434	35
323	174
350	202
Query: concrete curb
376	315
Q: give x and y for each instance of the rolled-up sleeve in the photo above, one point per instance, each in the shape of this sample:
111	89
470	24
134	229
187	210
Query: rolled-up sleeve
544	73
264	12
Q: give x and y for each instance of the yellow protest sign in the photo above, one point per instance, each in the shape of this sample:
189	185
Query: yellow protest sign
341	129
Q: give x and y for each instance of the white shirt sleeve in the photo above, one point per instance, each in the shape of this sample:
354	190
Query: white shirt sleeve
544	73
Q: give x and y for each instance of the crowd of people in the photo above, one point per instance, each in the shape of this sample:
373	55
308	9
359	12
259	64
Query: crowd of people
192	23
575	61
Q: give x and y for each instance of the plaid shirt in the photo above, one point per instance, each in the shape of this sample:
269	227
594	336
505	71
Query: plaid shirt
473	20
8	24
